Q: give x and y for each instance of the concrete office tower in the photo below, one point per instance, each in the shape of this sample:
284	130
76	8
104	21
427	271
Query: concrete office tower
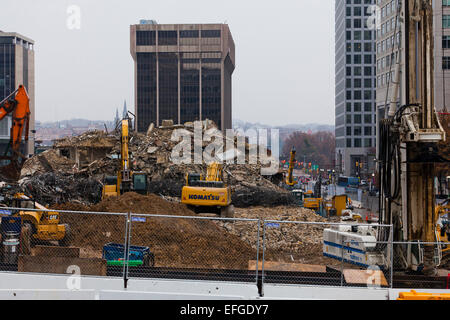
388	38
355	89
442	54
16	68
182	73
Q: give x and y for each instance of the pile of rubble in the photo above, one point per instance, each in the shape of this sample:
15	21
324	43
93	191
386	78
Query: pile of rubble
153	153
284	242
175	241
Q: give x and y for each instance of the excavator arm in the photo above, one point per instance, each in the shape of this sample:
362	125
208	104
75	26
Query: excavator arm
290	177
18	105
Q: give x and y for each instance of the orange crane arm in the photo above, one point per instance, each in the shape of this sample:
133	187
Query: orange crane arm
19	107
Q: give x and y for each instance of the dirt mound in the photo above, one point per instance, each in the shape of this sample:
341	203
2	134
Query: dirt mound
176	242
133	202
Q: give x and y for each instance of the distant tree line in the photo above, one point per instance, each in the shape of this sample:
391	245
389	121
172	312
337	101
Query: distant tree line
317	148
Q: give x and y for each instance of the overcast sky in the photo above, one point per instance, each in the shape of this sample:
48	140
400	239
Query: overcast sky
284	54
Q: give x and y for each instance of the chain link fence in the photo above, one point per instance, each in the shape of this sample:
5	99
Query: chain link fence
143	246
421	264
60	242
328	254
187	247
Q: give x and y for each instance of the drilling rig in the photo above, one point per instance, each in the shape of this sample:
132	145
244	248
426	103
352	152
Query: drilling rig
407	152
408	139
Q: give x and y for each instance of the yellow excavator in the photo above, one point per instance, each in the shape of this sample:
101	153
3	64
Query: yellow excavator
313	199
40	226
290	181
126	180
209	194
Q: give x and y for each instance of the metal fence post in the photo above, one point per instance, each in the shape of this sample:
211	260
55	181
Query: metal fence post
342	261
392	255
257	251
125	251
263	258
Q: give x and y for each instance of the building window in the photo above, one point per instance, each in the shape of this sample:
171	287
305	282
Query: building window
349	71
357	118
367	131
167	38
446	41
446	21
145	38
348	119
357	142
189	34
210	33
357	131
349	47
446	63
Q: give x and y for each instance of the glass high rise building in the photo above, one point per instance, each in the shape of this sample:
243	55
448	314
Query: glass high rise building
355	91
16	68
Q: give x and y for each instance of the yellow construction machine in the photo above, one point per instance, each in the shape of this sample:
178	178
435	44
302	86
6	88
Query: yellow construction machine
209	194
442	230
310	201
126	179
290	181
39	225
337	205
313	199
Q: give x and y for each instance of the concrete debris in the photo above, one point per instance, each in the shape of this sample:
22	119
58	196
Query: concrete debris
284	241
53	187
